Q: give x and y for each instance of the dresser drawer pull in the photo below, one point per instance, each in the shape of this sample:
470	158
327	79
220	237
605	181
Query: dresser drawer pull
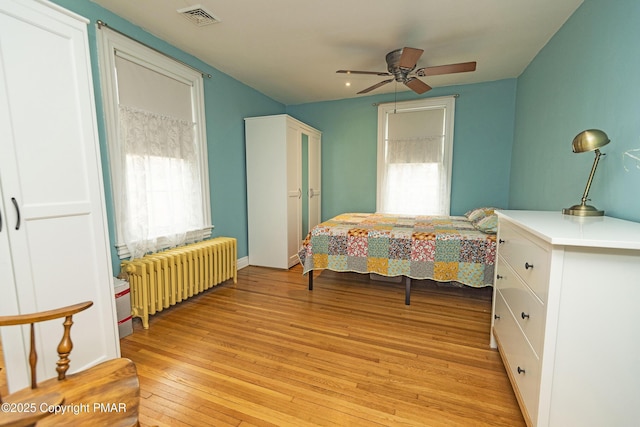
524	315
501	241
496	316
527	266
520	370
499	276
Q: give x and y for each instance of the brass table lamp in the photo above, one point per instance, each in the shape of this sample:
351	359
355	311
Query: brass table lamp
588	140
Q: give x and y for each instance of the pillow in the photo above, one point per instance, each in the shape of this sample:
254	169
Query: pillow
488	224
477	214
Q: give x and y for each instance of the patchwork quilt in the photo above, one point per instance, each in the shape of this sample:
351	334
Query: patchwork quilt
441	248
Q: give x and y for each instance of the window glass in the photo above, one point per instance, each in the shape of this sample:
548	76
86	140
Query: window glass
157	147
415	143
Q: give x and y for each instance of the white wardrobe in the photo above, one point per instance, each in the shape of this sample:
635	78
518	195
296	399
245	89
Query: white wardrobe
54	246
283	187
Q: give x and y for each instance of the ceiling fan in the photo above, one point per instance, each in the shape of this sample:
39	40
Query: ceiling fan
401	64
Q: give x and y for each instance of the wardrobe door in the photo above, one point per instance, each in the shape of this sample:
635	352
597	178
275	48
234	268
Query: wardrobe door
52	180
9	304
314	177
294	192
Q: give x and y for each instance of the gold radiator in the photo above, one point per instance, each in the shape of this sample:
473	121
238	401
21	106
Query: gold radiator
166	278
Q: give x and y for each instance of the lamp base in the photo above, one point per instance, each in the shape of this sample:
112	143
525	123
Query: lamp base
582	210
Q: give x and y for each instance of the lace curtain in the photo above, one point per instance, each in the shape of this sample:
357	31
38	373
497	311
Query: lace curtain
161	204
413	176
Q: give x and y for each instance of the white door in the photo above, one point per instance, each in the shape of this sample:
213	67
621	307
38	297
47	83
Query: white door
9	299
52	184
315	188
294	192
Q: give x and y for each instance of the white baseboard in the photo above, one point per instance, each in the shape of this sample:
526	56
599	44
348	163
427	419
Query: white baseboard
243	262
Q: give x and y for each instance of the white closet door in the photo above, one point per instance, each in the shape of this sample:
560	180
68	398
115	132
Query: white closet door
52	181
315	187
294	193
9	298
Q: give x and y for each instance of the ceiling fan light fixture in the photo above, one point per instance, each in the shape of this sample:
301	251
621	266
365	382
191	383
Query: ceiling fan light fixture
401	64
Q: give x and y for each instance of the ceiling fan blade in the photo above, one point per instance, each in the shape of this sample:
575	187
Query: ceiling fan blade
462	67
417	85
375	86
373	73
409	57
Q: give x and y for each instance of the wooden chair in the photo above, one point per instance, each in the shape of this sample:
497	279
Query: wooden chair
113	383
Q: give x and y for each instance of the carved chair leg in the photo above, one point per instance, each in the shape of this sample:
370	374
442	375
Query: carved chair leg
33	357
64	348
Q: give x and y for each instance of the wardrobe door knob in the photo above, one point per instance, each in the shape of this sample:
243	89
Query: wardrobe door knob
524	315
527	266
520	370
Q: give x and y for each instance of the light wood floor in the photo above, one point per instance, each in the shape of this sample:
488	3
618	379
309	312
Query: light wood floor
267	352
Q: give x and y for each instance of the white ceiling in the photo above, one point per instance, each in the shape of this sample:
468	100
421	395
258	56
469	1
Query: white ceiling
290	49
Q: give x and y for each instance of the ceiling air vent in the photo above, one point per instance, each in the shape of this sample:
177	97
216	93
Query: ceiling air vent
198	15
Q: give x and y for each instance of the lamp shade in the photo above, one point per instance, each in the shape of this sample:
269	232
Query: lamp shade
589	140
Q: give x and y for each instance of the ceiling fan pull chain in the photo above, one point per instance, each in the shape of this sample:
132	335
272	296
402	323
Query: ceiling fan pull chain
395	98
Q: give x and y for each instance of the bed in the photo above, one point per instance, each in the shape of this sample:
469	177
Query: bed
458	249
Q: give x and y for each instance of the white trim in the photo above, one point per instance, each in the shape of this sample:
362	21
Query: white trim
109	42
242	262
205	233
62	10
448	103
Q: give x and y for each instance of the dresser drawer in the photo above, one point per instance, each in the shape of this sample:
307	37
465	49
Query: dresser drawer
527	309
528	257
519	359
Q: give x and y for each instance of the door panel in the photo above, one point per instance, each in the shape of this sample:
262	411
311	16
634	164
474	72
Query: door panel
52	182
294	193
315	183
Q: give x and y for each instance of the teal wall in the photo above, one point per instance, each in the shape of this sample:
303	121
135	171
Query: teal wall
587	76
227	102
511	141
483	136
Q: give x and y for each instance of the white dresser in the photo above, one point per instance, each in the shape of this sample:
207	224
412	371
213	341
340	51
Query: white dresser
566	317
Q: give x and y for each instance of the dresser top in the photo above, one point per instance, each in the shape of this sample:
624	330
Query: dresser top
559	229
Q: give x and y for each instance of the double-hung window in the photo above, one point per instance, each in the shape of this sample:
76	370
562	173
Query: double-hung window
154	112
415	147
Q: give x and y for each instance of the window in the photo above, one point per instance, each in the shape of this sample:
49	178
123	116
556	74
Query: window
415	147
154	114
